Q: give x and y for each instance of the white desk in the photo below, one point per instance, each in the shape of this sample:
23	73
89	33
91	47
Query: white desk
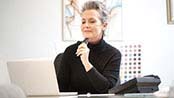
104	96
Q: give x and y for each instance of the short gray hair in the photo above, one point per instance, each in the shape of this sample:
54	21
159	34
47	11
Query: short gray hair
96	5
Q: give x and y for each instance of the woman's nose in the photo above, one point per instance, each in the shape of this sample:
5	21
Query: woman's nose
87	24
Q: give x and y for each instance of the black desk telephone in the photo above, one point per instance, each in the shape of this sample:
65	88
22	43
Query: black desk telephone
146	84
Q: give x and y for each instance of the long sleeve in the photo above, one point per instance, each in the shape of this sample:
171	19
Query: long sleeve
110	75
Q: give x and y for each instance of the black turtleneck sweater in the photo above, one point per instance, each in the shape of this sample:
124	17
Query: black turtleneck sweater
105	59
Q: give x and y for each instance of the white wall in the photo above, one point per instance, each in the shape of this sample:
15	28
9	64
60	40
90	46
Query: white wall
145	20
32	29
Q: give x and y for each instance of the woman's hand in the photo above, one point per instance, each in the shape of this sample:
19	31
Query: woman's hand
83	52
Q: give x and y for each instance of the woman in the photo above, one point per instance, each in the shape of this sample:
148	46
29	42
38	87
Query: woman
91	67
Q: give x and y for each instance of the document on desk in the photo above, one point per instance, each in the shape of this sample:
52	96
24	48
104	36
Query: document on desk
95	95
138	94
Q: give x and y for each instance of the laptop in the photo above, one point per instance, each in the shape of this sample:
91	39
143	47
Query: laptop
36	77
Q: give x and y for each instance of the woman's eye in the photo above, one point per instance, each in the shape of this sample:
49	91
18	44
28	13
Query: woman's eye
92	21
83	22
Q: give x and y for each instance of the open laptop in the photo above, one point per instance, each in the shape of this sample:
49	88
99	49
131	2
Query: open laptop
36	77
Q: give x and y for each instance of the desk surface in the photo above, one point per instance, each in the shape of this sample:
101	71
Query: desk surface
104	96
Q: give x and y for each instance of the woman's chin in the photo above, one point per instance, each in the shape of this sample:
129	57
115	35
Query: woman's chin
87	36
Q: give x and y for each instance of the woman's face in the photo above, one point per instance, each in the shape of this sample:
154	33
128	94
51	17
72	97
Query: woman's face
92	26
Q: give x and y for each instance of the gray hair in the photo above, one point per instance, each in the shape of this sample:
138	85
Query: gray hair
99	6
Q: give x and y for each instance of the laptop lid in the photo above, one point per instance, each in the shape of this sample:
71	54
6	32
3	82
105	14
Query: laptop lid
35	76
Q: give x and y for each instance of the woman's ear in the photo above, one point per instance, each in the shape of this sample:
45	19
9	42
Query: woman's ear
105	25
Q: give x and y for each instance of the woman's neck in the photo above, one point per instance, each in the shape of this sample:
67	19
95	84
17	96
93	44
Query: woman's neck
96	40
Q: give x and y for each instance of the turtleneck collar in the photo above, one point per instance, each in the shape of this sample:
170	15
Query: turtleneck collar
98	45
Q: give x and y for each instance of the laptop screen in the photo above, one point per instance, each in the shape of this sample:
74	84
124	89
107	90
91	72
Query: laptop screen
34	76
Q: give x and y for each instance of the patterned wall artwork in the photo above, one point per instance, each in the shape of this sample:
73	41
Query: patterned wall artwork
131	63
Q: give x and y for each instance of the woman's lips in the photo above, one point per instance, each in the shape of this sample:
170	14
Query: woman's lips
87	30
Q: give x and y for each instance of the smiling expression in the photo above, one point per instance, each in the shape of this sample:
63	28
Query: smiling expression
91	26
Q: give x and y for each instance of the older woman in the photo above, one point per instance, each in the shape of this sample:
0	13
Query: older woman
91	66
